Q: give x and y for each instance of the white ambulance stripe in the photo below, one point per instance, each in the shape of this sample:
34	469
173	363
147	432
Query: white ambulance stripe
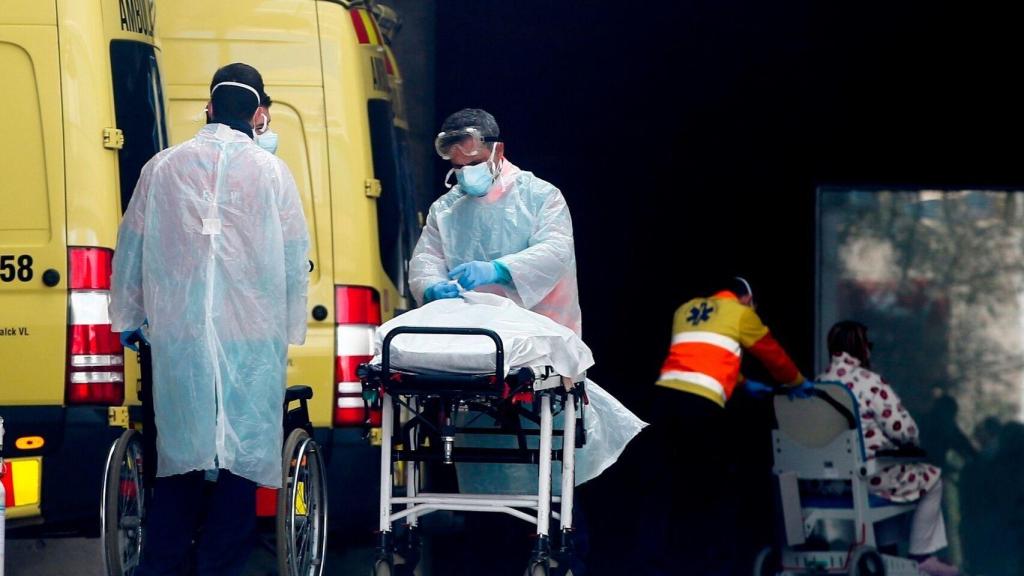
698	378
355	339
350	388
89	307
712	338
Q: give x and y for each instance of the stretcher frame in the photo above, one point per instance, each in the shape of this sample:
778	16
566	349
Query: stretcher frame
396	390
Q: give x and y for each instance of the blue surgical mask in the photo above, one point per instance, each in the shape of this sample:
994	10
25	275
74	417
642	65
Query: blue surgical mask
267	141
476	180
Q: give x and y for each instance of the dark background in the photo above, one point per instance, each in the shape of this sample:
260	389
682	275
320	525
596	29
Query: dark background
688	138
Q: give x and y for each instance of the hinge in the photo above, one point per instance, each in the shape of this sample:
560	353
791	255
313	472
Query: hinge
113	138
372	188
118	416
376	437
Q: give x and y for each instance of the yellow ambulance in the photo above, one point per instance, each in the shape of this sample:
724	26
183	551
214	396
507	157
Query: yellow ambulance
83	111
333	84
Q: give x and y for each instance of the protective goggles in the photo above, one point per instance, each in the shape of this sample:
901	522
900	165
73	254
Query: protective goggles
467	141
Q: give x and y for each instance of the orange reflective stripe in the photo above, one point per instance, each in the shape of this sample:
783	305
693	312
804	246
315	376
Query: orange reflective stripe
708	359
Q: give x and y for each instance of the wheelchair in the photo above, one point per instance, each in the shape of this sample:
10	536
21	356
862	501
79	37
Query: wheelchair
300	528
831	522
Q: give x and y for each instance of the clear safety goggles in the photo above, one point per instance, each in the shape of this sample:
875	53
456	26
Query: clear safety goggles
467	141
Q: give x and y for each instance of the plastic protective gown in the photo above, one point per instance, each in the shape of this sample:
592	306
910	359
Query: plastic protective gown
523	221
213	251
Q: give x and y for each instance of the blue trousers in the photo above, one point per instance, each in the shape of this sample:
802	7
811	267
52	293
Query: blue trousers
198	527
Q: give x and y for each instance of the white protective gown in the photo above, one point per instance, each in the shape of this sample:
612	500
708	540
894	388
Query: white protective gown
213	251
522	220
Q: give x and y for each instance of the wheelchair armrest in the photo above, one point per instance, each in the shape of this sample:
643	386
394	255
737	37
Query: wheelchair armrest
903	452
882	461
293	393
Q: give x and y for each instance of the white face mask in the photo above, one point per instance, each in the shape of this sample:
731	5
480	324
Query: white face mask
268	141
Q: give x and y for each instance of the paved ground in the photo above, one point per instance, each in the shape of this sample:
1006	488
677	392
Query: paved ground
81	557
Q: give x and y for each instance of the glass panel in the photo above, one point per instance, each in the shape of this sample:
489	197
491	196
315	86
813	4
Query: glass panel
938	278
139	108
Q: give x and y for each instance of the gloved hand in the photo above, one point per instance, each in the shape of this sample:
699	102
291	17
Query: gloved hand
131	338
804	390
475	273
441	290
758	389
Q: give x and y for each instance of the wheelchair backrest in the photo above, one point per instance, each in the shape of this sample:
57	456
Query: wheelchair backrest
818	437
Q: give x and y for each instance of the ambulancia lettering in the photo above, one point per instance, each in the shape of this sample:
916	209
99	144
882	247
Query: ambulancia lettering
137	16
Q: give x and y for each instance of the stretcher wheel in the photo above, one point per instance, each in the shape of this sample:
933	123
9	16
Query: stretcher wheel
123	505
301	508
866	561
766	563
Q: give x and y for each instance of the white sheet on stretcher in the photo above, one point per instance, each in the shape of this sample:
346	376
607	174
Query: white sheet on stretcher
529	339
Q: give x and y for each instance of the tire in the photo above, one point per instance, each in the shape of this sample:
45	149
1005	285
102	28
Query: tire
766	563
866	562
538	569
123	509
382	568
301	508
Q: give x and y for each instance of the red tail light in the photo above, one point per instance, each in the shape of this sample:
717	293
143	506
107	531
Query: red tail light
95	356
90	268
357	310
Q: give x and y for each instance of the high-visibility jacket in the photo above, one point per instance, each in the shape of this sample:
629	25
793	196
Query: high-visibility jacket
709	336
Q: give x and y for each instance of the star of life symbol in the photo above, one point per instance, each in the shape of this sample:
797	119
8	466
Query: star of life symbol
700	314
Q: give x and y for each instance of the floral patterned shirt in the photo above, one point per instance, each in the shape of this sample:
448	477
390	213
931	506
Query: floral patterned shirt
885	425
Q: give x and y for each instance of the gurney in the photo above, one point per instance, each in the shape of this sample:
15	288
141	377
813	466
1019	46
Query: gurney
445	396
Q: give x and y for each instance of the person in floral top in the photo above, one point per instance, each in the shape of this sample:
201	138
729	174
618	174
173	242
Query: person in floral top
886	425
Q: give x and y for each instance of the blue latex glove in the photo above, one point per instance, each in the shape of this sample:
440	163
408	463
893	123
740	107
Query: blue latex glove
804	390
130	338
475	273
758	389
441	290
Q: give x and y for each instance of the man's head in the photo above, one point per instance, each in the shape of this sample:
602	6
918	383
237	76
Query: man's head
237	96
741	288
469	137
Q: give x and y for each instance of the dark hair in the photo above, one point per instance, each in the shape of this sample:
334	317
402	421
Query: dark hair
850	337
472	117
233	103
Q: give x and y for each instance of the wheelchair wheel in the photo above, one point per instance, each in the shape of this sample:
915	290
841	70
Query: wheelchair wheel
538	569
302	508
123	508
382	568
766	563
867	561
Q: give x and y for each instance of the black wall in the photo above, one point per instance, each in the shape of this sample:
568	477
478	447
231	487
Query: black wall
689	138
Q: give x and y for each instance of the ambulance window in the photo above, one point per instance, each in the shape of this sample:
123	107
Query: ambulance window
390	205
139	109
410	223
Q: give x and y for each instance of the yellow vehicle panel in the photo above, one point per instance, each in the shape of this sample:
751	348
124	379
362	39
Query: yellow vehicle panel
33	317
345	62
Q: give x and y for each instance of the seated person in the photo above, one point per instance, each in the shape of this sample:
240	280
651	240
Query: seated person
886	425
